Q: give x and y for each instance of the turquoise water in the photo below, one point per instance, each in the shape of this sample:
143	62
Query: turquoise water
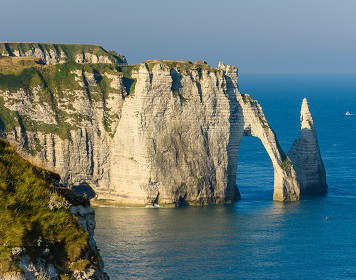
255	238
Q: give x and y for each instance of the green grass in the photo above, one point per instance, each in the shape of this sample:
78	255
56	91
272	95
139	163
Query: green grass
13	82
182	65
128	81
26	220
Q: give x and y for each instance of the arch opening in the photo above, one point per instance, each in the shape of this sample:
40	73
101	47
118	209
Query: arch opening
254	174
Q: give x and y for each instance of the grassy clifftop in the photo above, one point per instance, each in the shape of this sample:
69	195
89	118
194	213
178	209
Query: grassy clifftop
27	221
182	65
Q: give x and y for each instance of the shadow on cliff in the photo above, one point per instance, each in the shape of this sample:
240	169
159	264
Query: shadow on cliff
23	129
306	157
177	85
21	124
2	127
38	247
232	193
84	189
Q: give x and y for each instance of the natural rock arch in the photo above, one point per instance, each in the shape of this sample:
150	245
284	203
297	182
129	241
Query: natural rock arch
176	133
249	120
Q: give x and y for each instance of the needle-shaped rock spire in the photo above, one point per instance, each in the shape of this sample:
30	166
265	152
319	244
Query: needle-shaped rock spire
305	156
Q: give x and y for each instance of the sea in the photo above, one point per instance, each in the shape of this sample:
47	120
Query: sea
255	238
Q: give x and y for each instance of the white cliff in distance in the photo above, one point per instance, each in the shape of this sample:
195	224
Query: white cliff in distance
164	132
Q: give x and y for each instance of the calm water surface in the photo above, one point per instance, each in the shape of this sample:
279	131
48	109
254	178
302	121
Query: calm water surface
256	238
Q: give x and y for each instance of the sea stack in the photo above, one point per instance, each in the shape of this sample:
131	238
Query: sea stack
306	158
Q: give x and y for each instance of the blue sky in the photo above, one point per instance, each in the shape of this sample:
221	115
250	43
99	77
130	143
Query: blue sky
259	36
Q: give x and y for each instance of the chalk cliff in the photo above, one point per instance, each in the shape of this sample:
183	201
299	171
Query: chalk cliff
61	53
161	131
305	155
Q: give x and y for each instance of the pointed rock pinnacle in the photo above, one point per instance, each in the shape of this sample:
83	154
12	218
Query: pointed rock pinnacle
306	118
305	156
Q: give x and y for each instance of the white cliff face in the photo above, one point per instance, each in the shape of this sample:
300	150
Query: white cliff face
166	142
305	155
86	218
174	139
61	53
82	153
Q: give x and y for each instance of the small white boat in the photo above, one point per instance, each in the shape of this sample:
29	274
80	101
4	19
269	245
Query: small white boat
347	113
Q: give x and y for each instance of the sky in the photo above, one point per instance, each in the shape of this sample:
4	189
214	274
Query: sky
259	36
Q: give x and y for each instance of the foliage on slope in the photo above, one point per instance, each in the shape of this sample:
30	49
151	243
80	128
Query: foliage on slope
26	220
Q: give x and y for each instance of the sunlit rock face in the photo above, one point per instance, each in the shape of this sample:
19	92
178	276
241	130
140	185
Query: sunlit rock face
286	187
164	132
306	158
61	53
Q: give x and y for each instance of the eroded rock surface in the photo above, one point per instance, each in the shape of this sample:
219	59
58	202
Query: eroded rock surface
305	155
286	187
61	53
159	132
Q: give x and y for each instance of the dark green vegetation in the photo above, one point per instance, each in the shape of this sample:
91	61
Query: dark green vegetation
183	65
128	81
26	220
287	164
69	50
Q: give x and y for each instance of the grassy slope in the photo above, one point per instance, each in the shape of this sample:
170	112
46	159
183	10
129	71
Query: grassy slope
26	220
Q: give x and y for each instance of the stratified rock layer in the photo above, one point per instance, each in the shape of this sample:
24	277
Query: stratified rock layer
61	53
306	158
286	187
162	131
